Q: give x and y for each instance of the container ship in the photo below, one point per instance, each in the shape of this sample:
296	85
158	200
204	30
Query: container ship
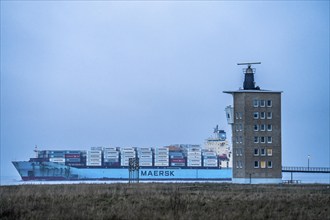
178	162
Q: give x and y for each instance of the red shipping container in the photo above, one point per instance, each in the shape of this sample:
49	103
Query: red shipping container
72	155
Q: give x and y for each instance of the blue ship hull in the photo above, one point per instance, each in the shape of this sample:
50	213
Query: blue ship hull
55	171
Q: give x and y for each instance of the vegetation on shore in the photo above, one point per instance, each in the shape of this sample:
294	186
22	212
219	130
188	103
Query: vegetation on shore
165	201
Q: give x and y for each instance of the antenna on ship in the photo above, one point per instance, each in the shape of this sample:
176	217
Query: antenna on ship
216	129
36	151
249	83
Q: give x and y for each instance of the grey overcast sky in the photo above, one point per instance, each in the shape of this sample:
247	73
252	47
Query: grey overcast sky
77	74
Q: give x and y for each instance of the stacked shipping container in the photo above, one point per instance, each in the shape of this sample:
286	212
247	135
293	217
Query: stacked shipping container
194	158
210	159
161	156
74	158
111	157
145	156
125	154
173	156
57	156
177	157
94	157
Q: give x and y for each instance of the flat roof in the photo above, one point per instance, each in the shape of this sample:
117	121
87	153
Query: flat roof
252	91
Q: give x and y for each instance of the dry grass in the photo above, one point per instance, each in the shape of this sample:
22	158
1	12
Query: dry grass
165	201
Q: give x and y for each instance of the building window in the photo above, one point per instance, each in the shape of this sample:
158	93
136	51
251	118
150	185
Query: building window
269	139
240	115
236	115
237	141
269	103
239	164
256	127
256	139
256	164
262	103
262	127
256	115
262	139
256	152
270	164
269	115
262	115
263	152
255	103
240	139
269	127
238	127
263	164
269	152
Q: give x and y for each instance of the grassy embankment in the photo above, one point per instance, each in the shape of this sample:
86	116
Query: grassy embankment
165	201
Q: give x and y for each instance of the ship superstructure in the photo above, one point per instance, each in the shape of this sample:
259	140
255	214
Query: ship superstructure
218	144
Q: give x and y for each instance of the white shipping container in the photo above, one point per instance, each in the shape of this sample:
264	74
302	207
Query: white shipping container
161	156
194	160
57	160
127	149
111	152
125	160
94	160
94	155
145	156
127	156
128	153
145	161
194	153
161	164
161	160
210	165
94	152
194	165
110	149
209	153
94	164
146	164
144	149
144	153
194	157
111	156
96	148
158	150
210	160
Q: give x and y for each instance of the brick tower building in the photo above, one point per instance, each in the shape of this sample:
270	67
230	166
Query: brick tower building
256	132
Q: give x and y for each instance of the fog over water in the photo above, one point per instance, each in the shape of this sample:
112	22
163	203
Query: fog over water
79	74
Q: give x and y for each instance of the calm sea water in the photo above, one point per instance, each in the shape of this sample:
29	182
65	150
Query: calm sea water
303	177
